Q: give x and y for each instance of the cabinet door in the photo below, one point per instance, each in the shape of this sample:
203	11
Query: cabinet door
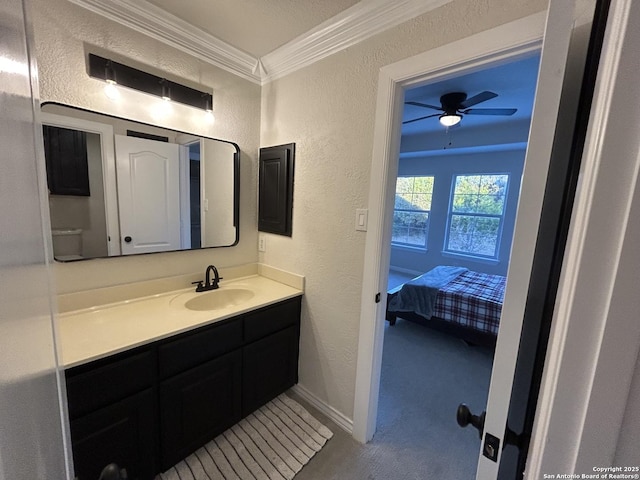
275	190
66	158
197	405
122	433
270	366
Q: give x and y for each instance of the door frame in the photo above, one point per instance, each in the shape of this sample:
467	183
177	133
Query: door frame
502	44
594	344
107	149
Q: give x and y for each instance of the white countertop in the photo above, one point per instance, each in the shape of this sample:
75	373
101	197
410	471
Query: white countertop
100	331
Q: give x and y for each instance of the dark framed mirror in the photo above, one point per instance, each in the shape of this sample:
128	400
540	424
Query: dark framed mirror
120	187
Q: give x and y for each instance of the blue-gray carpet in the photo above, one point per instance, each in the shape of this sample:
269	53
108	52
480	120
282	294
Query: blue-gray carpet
425	375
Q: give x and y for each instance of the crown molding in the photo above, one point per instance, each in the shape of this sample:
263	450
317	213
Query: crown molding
353	25
357	23
154	22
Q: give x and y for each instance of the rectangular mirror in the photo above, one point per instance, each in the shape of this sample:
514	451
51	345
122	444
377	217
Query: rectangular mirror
119	187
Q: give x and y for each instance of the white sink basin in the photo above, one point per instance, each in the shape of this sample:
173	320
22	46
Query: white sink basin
217	299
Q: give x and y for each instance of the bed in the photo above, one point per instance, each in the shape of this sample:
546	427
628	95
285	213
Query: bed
455	300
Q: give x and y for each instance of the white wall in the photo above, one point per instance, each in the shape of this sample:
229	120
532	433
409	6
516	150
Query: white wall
64	34
328	110
443	168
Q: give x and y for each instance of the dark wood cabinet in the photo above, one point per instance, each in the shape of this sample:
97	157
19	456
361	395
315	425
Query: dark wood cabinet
148	408
275	195
197	405
123	433
65	152
270	367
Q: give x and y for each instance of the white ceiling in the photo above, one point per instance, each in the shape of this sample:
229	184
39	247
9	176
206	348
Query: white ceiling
263	39
257	27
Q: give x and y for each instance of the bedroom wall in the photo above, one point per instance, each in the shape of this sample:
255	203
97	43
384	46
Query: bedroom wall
328	109
64	34
443	167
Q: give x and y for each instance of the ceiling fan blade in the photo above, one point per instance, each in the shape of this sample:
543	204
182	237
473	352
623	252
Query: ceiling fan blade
479	98
490	111
420	118
425	105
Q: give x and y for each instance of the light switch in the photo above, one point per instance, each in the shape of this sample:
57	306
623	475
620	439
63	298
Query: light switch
362	219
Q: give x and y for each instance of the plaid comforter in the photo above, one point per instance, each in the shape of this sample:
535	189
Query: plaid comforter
472	299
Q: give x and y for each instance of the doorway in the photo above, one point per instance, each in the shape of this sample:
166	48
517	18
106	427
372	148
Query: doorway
455	206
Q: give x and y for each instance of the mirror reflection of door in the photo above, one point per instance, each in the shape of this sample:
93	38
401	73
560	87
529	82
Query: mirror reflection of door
148	195
208	188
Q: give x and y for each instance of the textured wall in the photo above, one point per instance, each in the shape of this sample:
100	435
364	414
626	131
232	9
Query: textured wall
64	33
328	109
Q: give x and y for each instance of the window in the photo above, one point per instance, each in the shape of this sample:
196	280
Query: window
476	214
411	211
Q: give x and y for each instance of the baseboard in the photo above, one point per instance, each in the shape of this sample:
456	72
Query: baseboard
334	415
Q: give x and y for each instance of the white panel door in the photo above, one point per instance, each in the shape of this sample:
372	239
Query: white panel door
148	195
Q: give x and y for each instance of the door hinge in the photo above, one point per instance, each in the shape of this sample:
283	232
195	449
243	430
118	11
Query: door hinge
378	297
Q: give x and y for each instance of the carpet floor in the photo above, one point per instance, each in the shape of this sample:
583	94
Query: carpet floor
273	443
425	375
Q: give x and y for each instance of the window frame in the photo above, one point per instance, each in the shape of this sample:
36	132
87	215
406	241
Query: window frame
451	214
410	246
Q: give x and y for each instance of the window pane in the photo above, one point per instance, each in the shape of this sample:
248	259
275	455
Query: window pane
411	210
480	194
421	201
410	228
404	185
473	235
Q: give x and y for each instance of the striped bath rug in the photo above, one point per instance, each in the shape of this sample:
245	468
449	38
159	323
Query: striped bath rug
273	443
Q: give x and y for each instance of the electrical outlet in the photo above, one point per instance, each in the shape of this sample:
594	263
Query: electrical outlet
262	243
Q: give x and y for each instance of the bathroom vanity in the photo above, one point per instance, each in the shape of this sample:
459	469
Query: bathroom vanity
150	405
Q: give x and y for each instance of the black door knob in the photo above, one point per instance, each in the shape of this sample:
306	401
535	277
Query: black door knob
465	417
127	239
113	472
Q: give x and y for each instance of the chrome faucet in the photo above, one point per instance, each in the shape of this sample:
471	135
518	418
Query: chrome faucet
209	284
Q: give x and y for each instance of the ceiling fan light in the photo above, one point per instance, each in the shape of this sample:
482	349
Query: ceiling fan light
450	119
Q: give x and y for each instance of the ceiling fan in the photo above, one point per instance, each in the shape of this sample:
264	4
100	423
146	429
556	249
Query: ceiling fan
456	104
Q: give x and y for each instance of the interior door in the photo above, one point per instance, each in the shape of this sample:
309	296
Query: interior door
550	140
148	194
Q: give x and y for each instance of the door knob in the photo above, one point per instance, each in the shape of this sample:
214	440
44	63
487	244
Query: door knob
127	239
113	472
465	417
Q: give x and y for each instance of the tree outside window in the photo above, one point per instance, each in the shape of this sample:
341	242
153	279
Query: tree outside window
411	211
476	214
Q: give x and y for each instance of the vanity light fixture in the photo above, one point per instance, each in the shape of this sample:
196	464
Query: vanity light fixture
117	73
110	89
166	90
209	109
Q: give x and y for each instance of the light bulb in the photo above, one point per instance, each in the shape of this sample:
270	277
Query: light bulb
111	91
450	119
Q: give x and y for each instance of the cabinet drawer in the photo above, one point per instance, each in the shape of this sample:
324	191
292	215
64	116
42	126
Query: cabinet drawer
197	347
101	383
272	319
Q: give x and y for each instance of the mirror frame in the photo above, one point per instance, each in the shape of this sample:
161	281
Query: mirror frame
236	181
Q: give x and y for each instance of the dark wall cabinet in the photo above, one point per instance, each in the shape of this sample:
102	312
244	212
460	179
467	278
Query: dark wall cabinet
65	152
275	196
149	408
